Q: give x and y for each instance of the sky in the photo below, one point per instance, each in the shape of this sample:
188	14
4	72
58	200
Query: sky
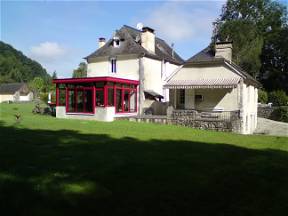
59	34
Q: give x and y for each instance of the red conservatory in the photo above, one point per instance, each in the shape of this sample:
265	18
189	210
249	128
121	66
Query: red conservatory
97	98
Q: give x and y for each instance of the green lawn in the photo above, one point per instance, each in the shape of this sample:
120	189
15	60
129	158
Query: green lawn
51	166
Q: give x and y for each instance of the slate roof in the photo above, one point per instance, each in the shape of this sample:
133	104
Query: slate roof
128	36
11	88
207	56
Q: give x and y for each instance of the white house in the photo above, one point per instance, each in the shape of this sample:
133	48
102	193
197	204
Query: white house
210	84
15	92
125	76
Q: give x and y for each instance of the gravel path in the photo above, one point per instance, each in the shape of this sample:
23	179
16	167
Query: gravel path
270	127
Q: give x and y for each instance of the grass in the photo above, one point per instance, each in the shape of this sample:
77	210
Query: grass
52	166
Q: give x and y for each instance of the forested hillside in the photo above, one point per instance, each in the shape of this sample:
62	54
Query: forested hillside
16	67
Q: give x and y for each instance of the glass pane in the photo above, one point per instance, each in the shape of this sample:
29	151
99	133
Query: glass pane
100	98
62	97
110	97
88	101
110	84
80	101
71	101
99	84
132	101
119	100
126	101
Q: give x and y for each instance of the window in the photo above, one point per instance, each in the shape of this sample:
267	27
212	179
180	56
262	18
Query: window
62	97
119	107
113	65
182	96
80	100
71	100
199	98
110	96
100	98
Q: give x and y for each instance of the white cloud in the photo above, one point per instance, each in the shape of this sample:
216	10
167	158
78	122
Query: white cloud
47	51
177	21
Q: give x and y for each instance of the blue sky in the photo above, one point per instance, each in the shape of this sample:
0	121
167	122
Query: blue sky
59	34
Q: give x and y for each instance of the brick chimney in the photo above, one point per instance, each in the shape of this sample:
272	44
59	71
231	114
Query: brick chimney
148	39
101	42
224	50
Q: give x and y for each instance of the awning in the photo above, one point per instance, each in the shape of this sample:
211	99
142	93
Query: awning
153	94
203	83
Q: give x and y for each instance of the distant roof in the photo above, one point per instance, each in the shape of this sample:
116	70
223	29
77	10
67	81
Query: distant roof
10	88
207	56
129	45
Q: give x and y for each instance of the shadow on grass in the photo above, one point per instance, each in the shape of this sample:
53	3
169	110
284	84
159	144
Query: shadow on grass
67	173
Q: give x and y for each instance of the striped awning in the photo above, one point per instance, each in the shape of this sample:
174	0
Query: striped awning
203	83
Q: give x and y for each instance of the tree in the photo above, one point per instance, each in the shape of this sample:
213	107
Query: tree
54	75
81	71
258	29
37	85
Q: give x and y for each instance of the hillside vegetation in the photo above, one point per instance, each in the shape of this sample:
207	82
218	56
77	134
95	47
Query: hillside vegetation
16	67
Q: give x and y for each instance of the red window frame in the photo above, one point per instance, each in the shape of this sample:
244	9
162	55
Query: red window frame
83	89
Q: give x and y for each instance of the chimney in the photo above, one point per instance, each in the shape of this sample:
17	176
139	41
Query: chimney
224	50
101	42
148	39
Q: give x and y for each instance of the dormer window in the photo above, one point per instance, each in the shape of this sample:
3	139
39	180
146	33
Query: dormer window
116	41
113	65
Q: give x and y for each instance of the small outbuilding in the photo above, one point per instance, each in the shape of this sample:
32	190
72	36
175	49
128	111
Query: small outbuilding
15	92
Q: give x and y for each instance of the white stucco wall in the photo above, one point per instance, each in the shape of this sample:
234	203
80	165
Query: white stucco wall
152	74
28	97
249	112
127	67
106	114
217	99
167	69
4	98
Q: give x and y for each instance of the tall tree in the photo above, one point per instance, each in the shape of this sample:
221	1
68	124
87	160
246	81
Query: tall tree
37	85
54	75
81	71
257	28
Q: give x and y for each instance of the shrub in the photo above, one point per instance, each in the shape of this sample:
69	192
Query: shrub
278	98
262	96
44	97
280	114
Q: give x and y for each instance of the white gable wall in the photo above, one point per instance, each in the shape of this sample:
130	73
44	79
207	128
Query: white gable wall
167	69
127	67
152	75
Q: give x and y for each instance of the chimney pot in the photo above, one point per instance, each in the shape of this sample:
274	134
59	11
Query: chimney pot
101	42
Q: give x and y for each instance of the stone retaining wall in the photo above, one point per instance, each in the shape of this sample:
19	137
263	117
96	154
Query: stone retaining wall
221	121
265	112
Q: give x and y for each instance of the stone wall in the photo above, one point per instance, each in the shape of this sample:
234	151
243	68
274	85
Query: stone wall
221	121
265	111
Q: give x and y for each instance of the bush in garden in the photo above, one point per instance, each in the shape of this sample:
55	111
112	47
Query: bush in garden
262	96
278	98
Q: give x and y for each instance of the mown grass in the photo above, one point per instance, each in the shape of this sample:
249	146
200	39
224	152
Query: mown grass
52	166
